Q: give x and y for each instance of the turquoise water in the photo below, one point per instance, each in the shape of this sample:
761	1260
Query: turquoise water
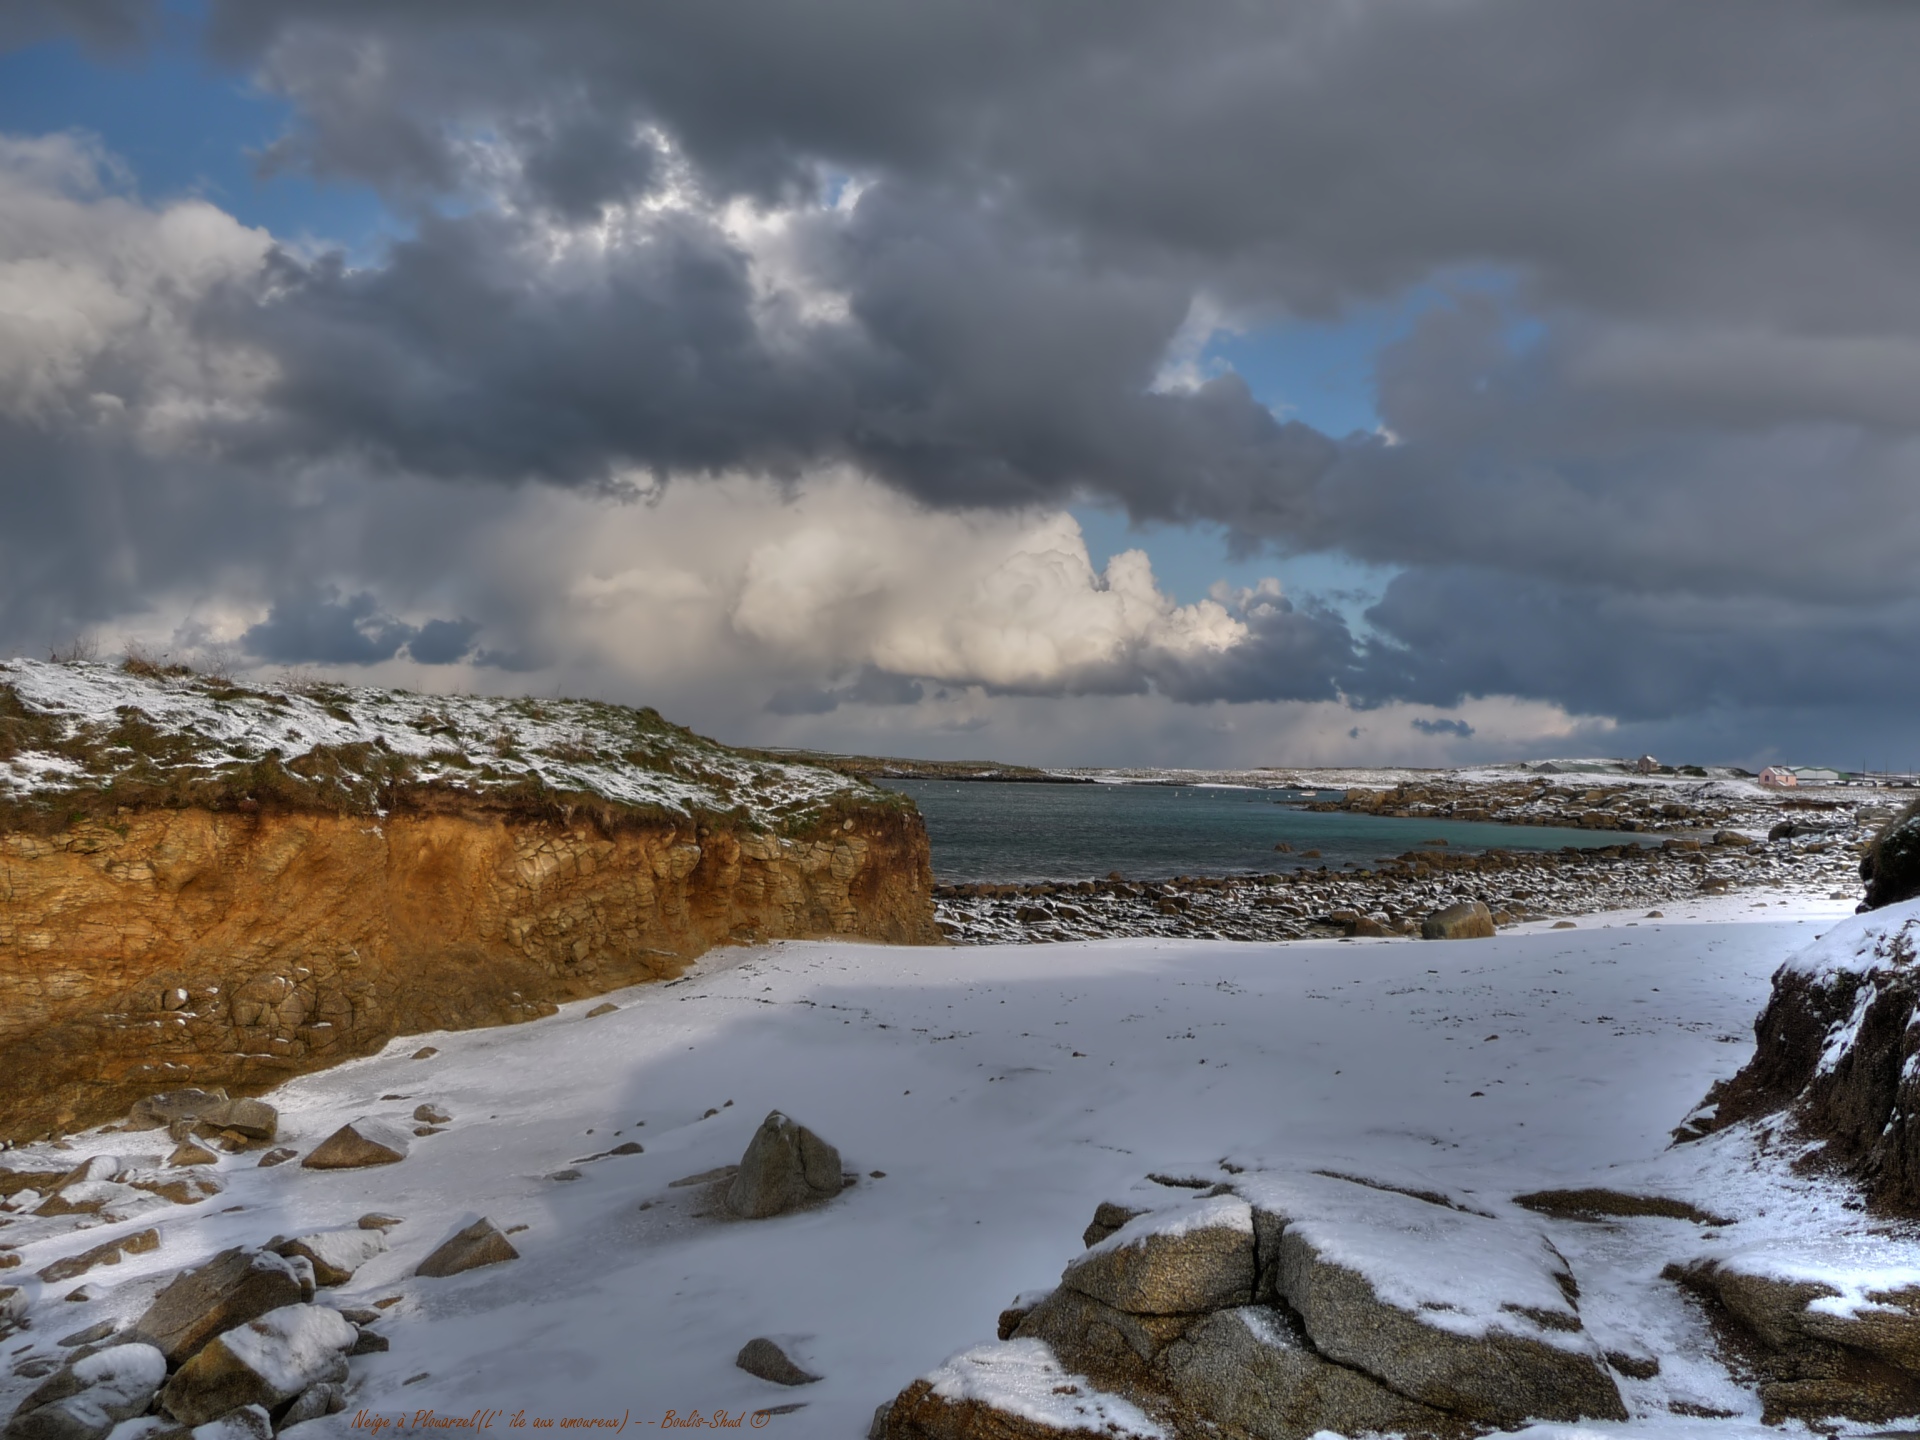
999	832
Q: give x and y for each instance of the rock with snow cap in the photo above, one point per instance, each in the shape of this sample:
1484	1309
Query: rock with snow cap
481	1243
335	1254
1179	1260
92	1395
1011	1390
359	1144
264	1362
786	1166
1456	1310
157	1112
249	1422
232	1288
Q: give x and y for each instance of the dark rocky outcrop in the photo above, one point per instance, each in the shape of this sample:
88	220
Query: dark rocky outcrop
786	1167
1891	866
1832	1057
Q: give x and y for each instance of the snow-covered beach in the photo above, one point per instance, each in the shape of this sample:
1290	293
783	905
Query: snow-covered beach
999	1093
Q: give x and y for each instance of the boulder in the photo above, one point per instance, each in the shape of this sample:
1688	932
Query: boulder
143	1242
92	1395
358	1145
1782	1310
1186	1258
1527	1362
767	1359
479	1244
252	1120
1091	1335
1891	866
1252	1371
1469	920
188	1153
374	1220
188	1189
277	1156
1011	1390
1108	1216
157	1112
89	1197
431	1115
232	1288
786	1166
264	1362
316	1401
249	1422
335	1254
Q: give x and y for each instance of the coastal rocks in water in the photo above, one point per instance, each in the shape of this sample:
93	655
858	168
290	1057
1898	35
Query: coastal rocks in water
786	1166
767	1359
232	1288
1891	866
143	1242
357	1145
264	1362
1469	920
335	1254
481	1243
92	1395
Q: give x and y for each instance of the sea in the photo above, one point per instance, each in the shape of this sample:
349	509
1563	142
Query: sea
1005	832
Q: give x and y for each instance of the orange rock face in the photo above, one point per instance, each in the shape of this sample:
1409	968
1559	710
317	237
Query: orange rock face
188	947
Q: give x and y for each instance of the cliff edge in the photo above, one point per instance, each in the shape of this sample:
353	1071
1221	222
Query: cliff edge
214	884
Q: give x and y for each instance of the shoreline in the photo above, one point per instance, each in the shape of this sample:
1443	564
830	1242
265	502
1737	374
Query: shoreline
1520	887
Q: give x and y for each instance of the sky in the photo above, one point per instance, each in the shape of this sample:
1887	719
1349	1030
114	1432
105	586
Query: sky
1108	382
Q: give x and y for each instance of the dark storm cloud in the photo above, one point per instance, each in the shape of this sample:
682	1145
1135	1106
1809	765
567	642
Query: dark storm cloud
1658	456
327	629
1425	726
871	687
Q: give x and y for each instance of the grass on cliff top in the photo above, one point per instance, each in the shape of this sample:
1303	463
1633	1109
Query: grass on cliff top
81	740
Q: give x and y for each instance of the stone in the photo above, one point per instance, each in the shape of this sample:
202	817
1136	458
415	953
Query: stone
1499	1376
993	1391
1732	838
767	1359
371	1342
1108	1216
188	1189
1186	1258
91	1335
144	1242
335	1254
1093	1336
88	1197
250	1119
479	1244
786	1166
278	1156
1891	866
188	1153
1469	920
1251	1370
1780	1312
313	1403
374	1220
89	1397
249	1422
431	1115
157	1112
606	1007
268	1360
356	1146
232	1288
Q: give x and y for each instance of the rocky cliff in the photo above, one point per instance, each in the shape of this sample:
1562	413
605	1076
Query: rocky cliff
202	883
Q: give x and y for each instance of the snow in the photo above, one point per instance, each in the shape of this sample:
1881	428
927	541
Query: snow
954	1072
1023	1378
1862	944
1457	1271
470	742
291	1347
345	1249
1216	1212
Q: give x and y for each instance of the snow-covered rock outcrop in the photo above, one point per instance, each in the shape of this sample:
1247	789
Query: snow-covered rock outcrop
215	884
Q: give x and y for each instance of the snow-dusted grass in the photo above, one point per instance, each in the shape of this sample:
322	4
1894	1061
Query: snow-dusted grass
83	729
1004	1091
